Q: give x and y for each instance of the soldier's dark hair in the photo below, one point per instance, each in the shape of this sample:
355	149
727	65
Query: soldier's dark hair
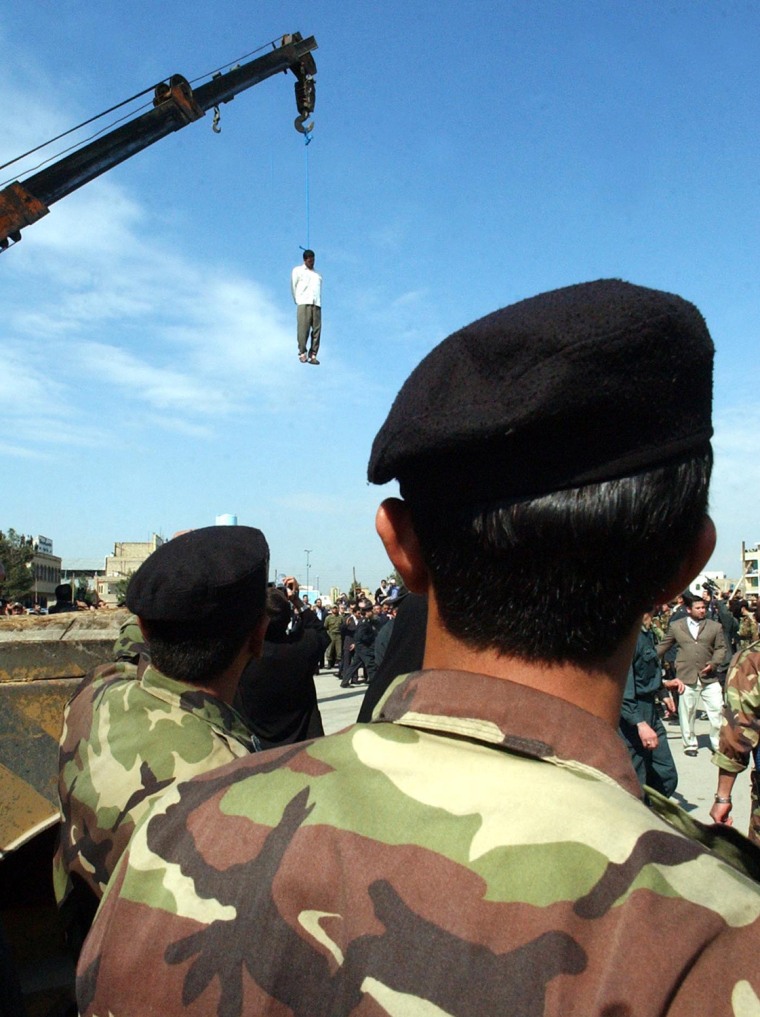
197	653
562	578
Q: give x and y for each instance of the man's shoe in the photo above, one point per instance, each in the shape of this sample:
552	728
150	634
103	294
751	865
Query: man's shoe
690	752
313	360
302	357
344	685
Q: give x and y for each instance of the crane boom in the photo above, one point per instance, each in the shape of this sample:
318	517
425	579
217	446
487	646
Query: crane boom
175	105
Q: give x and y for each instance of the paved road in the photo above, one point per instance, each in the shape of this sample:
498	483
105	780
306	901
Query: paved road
697	776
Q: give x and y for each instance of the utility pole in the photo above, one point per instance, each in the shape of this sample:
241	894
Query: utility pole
307	552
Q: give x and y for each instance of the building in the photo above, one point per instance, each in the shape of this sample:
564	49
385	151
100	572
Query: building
127	557
46	570
751	570
719	581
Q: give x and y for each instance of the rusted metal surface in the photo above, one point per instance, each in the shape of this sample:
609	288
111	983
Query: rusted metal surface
18	208
42	660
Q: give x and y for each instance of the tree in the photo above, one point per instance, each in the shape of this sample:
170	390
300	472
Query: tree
16	553
121	590
84	594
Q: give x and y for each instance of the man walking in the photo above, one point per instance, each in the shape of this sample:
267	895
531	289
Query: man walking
306	287
333	623
701	652
640	722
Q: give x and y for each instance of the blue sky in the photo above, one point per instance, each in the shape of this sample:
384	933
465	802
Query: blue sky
464	156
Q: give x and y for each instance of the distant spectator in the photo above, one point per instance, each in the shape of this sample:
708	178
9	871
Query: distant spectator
747	633
277	691
63	600
333	624
364	650
404	652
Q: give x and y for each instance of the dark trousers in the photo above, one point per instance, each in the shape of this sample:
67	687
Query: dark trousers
363	655
347	655
654	767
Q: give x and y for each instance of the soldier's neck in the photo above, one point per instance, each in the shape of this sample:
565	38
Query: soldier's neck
598	690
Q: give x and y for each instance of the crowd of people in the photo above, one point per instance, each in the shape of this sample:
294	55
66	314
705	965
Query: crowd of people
682	656
480	843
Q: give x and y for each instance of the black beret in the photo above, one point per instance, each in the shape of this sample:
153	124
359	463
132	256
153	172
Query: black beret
579	385
203	575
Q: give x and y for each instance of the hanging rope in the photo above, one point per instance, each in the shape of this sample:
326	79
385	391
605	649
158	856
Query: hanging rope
307	139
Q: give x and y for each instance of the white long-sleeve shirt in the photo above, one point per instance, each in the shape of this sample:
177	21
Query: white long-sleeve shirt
306	286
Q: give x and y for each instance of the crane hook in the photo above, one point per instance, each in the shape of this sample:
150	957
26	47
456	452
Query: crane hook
306	95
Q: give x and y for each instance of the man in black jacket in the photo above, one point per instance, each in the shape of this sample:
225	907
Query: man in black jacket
364	650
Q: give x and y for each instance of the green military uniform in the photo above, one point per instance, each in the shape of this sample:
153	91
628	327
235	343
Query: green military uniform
334	652
747	633
740	730
128	736
130	643
447	859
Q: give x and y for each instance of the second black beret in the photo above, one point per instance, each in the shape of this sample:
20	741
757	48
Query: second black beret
202	575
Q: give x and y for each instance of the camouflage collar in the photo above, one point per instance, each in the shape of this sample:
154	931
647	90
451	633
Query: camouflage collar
501	713
226	720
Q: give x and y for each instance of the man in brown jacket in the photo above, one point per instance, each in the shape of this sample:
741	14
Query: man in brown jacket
701	649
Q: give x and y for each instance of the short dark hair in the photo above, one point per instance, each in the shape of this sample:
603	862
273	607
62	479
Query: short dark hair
198	653
308	253
562	578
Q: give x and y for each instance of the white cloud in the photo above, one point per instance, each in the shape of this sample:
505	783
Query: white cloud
411	297
93	304
21	451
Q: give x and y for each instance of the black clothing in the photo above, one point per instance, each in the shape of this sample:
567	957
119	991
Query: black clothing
364	652
277	692
347	633
654	767
404	653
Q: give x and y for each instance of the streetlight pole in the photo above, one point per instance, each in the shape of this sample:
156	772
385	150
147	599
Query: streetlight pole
307	552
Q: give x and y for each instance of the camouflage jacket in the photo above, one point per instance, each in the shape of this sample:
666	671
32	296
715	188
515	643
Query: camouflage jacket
127	736
130	644
480	848
740	728
747	633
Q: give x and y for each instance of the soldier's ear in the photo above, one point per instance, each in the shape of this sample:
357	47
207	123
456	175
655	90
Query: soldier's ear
694	561
393	523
